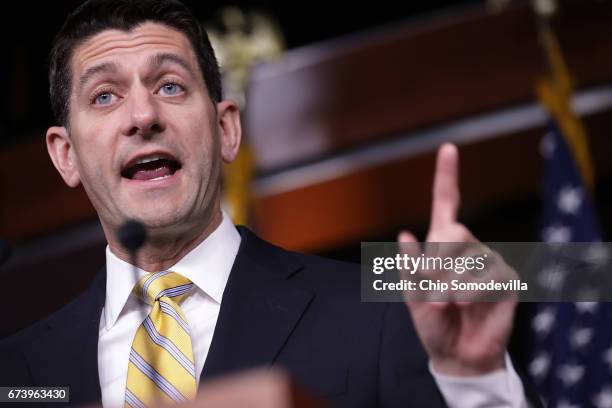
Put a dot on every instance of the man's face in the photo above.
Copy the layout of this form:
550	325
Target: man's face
144	137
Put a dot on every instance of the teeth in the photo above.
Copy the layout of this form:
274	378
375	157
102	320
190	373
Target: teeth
148	159
162	177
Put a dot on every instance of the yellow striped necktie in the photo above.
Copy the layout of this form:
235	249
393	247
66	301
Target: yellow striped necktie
161	367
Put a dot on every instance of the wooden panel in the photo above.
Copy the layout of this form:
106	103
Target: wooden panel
35	198
374	200
324	98
383	198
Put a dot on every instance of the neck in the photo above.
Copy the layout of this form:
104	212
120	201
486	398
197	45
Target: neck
162	251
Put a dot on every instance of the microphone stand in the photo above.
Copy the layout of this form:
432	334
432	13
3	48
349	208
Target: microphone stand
132	235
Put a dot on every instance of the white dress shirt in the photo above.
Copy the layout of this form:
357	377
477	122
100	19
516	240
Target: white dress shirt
208	266
501	388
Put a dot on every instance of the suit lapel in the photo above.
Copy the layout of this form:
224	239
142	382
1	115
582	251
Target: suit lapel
259	310
68	354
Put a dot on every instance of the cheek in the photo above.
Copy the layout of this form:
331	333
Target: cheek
92	170
94	158
204	140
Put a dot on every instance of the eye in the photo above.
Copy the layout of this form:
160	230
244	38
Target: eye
171	89
103	98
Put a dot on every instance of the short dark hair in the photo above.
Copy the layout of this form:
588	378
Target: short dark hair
95	16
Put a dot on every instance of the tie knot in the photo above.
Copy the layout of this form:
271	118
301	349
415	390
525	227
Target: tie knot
154	286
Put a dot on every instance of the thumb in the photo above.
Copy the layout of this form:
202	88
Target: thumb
406	236
408	244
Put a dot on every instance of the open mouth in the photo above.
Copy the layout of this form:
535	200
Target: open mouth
153	167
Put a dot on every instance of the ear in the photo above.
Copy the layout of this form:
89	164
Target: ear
230	129
61	151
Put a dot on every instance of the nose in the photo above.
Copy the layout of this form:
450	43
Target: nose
143	116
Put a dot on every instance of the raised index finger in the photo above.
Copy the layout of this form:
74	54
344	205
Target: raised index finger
446	187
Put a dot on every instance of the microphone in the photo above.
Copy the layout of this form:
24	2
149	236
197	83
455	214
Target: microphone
5	251
132	235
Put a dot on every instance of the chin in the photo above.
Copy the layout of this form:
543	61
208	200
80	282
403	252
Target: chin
155	218
168	216
160	223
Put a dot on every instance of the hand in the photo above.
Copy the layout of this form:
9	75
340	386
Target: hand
461	338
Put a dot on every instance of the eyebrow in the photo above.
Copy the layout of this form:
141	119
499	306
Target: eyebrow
95	70
157	60
154	62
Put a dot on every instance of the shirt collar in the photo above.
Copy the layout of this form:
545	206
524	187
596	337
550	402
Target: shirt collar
208	266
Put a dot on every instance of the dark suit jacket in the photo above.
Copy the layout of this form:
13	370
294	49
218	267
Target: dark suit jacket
298	311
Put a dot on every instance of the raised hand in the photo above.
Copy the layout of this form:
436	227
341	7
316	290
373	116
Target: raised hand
462	338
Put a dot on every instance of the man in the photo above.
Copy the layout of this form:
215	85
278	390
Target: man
143	127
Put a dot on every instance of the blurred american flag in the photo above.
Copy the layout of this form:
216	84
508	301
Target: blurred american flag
571	361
